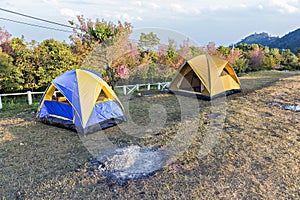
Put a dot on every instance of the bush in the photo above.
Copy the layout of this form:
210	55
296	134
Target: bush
240	65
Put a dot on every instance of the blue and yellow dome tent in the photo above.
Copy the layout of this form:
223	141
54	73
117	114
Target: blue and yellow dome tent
80	99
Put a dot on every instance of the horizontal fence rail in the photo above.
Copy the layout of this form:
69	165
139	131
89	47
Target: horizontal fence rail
127	90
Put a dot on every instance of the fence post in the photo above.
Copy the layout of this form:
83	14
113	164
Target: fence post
0	102
29	97
137	87
124	89
158	86
148	86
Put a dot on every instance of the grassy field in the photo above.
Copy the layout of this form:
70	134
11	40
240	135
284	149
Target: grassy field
256	154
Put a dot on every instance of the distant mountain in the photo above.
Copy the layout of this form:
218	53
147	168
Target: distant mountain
289	41
258	38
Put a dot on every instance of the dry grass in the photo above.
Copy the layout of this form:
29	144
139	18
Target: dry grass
256	156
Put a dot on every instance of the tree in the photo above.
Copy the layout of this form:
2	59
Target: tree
240	65
233	55
148	41
256	59
224	51
4	36
171	51
4	41
184	50
123	72
102	43
22	60
6	69
211	48
289	60
271	58
51	59
196	50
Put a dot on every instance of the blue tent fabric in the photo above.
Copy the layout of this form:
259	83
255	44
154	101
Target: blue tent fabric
104	111
69	113
56	108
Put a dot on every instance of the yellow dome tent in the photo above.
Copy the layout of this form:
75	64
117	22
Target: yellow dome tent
205	76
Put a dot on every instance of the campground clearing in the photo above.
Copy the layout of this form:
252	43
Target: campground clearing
256	155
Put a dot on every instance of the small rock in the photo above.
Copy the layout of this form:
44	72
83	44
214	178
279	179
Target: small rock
282	94
275	134
212	115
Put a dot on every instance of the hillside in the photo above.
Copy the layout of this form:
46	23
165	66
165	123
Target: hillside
258	38
289	41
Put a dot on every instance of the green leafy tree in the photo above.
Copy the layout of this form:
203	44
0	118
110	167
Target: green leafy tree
51	58
23	61
171	51
271	58
146	45
289	60
148	41
8	74
224	51
240	65
196	50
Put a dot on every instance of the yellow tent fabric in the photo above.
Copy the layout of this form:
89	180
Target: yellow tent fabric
89	88
205	76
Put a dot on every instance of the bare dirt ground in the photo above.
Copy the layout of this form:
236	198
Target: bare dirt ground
256	154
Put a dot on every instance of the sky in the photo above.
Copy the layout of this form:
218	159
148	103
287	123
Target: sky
202	21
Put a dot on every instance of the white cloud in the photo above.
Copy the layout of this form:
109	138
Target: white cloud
243	5
127	17
139	18
180	8
52	2
154	5
286	6
138	3
69	12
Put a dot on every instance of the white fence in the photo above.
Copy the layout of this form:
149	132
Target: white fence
127	90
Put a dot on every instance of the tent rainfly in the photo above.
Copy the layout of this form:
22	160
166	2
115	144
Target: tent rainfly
205	77
80	100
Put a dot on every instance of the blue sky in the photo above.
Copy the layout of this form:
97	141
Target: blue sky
221	21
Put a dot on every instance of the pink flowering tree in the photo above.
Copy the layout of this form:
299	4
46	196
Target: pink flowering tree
123	72
256	59
236	59
4	36
234	55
